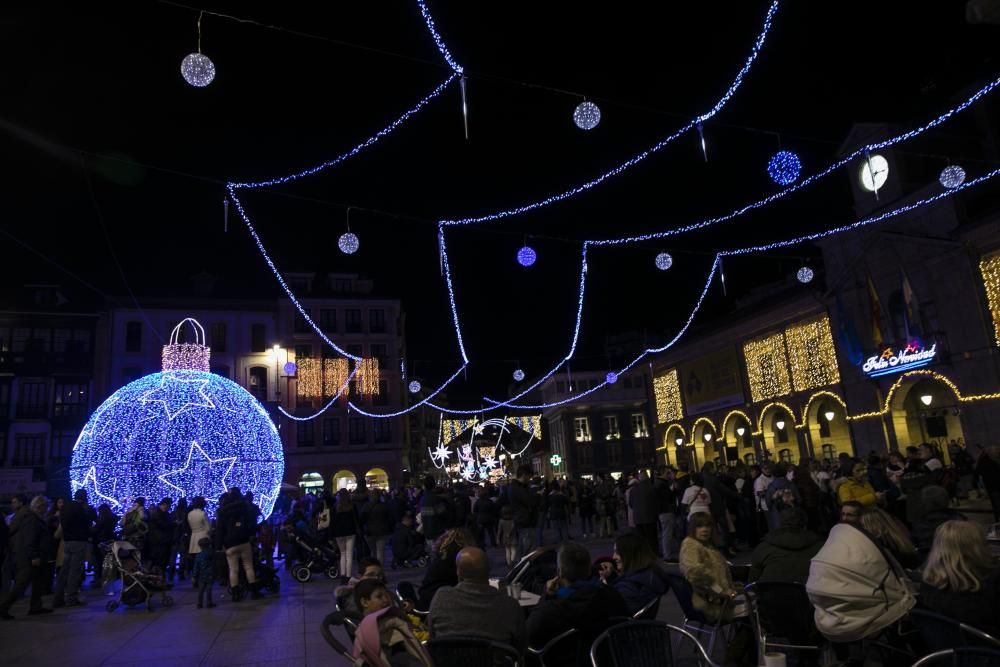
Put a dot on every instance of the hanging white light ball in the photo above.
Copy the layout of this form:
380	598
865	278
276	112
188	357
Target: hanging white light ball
664	261
518	375
197	69
414	386
805	275
952	176
348	243
587	115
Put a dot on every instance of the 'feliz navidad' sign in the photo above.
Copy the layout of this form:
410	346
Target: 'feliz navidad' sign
912	356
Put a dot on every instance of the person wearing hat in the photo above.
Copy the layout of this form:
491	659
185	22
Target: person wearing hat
785	552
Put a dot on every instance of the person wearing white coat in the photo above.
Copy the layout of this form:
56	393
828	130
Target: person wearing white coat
198	521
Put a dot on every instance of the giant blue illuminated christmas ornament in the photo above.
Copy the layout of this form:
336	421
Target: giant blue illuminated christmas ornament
183	432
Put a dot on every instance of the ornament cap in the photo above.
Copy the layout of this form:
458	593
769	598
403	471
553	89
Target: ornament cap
179	356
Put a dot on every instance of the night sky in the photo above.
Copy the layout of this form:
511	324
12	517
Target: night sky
110	158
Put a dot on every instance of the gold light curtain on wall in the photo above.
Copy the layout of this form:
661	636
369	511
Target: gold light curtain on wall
990	268
811	354
667	391
767	367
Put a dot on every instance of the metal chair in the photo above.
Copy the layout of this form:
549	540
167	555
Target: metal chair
961	657
641	644
569	642
782	611
330	621
649	611
472	652
941	632
685	596
350	625
405	590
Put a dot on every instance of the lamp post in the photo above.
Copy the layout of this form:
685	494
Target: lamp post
277	372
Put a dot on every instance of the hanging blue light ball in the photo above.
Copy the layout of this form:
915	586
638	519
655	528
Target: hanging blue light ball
291	368
518	375
178	433
784	167
526	256
587	115
611	377
952	176
664	261
414	386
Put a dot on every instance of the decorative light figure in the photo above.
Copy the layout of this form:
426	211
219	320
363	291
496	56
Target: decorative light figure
926	399
414	386
829	415
664	261
587	115
518	375
197	68
348	243
526	256
182	432
611	377
952	176
784	167
805	275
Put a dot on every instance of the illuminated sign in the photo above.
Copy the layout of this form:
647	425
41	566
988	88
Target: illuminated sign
897	361
555	460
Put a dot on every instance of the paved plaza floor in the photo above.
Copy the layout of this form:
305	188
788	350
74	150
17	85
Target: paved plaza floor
274	631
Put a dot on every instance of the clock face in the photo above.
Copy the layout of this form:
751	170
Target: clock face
873	173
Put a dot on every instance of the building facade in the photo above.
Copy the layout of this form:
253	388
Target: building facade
608	432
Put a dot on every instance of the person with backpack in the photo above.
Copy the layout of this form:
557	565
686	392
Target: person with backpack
237	527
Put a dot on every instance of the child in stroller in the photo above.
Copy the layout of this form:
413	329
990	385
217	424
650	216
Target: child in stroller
138	586
312	555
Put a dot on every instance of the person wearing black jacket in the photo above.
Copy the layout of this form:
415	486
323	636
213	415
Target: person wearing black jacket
376	517
524	505
236	525
76	519
486	517
160	538
666	503
32	547
988	471
573	600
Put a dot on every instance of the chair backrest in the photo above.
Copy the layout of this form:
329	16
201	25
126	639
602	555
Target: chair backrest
326	626
783	612
941	632
649	611
472	652
407	591
685	597
968	656
569	648
640	644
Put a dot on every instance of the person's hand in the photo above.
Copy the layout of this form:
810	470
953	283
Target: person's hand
552	585
36	562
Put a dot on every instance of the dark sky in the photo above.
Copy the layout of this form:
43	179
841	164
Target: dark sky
99	132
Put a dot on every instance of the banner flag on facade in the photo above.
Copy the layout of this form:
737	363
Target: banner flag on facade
848	335
911	310
875	306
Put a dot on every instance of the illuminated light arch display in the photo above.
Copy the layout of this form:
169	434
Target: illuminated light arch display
178	433
772	406
479	463
729	416
669	438
821	394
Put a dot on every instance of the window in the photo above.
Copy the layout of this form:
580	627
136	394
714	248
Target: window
331	432
379	351
70	400
217	337
32	400
586	455
643	452
80	342
29	449
328	320
382	398
829	453
581	428
301	326
381	429
376	321
133	337
62	444
356	431
258	338
639	426
611	431
356	349
785	456
750	459
304	434
20	339
341	285
303	352
4	399
4	339
352	320
614	450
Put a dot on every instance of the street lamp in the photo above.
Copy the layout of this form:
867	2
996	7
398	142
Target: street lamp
926	399
780	424
708	437
678	441
740	431
829	415
277	377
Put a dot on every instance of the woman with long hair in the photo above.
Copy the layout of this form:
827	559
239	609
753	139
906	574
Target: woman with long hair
638	579
706	569
441	571
891	535
961	579
344	524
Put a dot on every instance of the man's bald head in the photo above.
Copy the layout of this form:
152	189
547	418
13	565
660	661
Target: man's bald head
473	565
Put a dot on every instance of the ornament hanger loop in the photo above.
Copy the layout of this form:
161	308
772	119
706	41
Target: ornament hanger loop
199	332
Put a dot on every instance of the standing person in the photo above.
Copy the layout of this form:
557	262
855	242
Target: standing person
760	485
160	537
345	527
31	547
485	511
696	498
197	522
523	504
858	487
988	472
236	525
810	493
585	501
76	519
19	510
645	508
559	512
134	526
204	571
507	534
781	494
182	536
377	518
720	494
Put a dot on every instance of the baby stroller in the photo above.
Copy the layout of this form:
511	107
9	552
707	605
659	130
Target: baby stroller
267	577
322	557
138	586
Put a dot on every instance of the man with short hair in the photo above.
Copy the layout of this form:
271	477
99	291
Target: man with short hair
666	501
574	600
76	519
473	608
850	512
524	504
31	547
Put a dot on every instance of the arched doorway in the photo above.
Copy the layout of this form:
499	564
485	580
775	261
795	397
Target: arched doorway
673	442
925	409
376	478
344	479
703	440
777	425
829	431
311	482
257	381
738	433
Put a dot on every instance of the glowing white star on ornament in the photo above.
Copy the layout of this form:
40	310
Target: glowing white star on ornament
202	485
183	395
441	453
91	479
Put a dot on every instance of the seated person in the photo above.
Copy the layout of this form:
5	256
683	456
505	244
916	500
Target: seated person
385	636
638	580
936	511
441	571
961	579
406	543
370	568
784	553
858	488
574	599
705	568
473	608
891	536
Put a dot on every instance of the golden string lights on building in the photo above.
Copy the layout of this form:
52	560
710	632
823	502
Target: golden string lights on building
367	377
811	354
531	424
335	372
667	391
309	378
990	268
767	367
